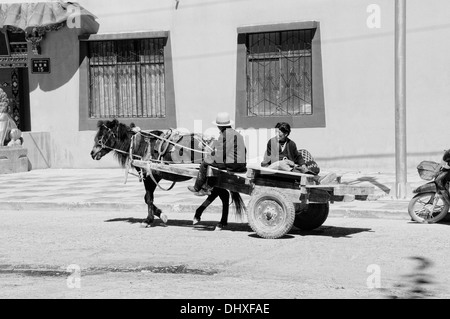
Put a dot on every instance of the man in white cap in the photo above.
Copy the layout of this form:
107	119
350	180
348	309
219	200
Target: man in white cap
229	153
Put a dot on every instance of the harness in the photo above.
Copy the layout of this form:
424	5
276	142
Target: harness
170	138
103	144
164	143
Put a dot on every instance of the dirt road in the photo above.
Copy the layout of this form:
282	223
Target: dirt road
109	255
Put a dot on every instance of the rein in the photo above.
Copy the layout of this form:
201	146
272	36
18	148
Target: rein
103	144
130	153
149	173
176	144
132	156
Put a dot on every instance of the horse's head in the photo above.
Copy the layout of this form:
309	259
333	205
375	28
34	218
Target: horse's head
110	136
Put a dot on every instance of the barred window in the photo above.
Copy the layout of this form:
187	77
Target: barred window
127	78
279	73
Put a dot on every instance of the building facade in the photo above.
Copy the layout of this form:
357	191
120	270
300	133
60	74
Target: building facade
326	67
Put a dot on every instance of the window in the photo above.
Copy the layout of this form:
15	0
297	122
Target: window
127	79
4	44
13	48
279	76
13	43
279	73
128	76
17	42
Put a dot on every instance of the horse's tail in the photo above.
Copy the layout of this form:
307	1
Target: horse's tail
238	203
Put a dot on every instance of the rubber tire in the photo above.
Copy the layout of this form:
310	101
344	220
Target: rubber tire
261	226
313	217
419	219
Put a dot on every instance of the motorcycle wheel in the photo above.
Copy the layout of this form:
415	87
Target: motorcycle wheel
418	209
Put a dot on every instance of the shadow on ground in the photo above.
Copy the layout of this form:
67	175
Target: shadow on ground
130	220
326	231
330	231
445	221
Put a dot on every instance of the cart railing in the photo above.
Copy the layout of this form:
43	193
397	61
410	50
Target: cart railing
278	199
258	176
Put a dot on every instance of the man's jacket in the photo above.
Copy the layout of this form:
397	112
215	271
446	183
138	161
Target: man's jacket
230	152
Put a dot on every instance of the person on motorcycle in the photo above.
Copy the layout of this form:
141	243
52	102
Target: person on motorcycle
444	177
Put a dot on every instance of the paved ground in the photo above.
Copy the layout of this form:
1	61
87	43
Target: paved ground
118	258
45	254
106	189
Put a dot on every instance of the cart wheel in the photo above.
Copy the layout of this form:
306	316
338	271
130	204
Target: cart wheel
270	213
312	217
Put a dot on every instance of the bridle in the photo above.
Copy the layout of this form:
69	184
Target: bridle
102	143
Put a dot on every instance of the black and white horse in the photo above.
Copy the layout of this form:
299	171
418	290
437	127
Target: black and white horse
120	138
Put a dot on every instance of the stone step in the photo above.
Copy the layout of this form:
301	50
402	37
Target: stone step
13	160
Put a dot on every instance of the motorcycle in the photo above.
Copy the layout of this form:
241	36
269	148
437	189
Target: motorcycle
428	206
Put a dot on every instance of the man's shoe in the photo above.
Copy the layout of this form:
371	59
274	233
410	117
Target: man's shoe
197	193
192	189
201	193
207	190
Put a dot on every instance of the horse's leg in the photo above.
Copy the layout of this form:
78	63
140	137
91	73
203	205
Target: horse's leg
160	214
211	198
225	197
150	187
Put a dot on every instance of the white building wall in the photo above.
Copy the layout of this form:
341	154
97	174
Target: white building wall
358	66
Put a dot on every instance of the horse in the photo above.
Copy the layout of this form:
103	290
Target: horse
127	143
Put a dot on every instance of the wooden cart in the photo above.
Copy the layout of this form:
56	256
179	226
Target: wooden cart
278	199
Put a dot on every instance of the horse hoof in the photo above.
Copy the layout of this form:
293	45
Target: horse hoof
164	218
220	226
196	221
147	224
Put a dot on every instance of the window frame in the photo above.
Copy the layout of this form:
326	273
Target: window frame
86	123
8	46
317	118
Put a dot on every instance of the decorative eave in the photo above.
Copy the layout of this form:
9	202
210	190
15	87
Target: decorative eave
13	62
37	19
35	35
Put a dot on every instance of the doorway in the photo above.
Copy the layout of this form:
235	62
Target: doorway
14	81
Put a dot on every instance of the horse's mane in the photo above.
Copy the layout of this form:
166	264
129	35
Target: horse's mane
123	140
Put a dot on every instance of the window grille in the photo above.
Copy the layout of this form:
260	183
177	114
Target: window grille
127	78
279	73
